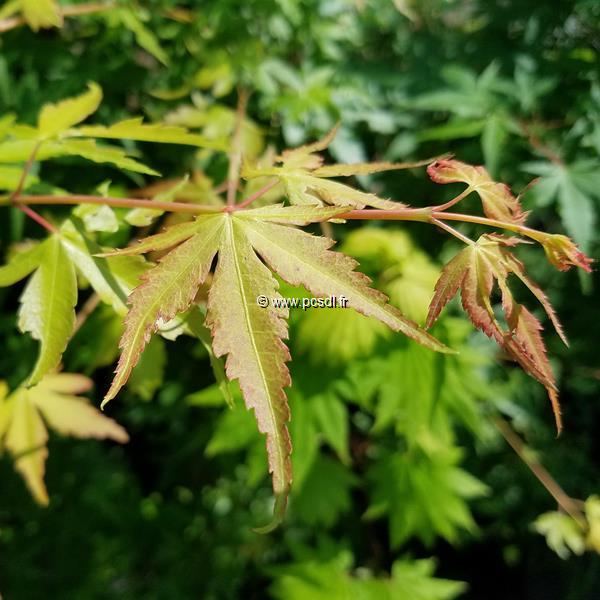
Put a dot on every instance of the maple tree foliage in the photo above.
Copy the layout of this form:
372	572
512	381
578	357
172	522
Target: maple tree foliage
249	247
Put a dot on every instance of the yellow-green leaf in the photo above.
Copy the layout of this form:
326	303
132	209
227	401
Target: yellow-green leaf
55	118
40	14
47	306
26	440
20	266
135	129
71	415
23	433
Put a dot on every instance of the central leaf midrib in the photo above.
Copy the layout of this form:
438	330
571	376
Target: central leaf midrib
254	347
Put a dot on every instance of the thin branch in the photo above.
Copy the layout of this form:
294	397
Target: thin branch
538	145
86	310
454	232
566	503
235	160
26	168
250	199
15	195
181	207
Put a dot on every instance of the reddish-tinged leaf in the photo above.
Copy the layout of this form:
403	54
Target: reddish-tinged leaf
563	253
161	241
526	345
366	168
516	267
167	289
447	285
475	270
497	199
251	337
301	258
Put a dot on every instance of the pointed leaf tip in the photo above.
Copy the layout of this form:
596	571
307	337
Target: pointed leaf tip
278	514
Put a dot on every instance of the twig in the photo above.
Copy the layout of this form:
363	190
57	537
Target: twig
235	160
15	195
86	310
566	503
119	202
538	145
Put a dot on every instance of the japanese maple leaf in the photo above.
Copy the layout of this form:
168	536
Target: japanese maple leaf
251	337
497	199
306	180
55	402
475	271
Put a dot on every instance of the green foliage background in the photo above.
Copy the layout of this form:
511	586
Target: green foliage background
403	488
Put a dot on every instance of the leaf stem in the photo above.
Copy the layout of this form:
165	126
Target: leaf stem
38	218
250	199
235	159
514	227
566	503
454	232
455	200
422	215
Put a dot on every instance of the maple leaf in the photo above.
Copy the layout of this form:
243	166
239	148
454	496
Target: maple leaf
59	133
56	401
251	337
305	178
475	270
497	199
48	302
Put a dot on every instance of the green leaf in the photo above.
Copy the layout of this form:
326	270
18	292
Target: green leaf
89	150
47	306
142	217
143	36
40	14
325	495
11	176
21	265
424	495
332	580
135	129
112	278
331	415
563	534
147	376
166	290
198	328
55	118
